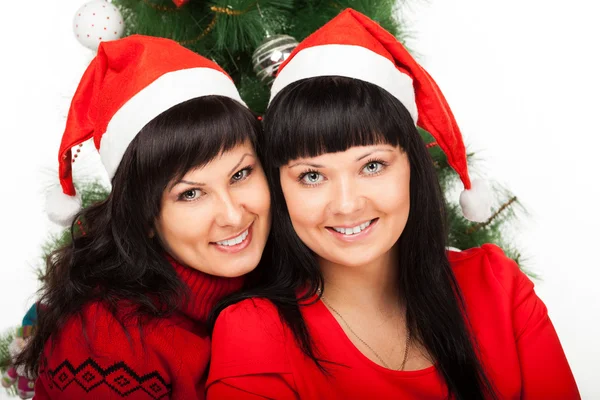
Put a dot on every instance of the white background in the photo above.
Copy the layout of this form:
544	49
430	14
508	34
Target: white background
520	75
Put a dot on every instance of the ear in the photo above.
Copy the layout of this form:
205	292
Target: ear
151	234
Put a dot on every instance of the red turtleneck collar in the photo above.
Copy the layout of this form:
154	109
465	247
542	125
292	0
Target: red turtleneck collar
205	290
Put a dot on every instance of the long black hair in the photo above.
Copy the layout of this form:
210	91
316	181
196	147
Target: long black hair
332	114
116	259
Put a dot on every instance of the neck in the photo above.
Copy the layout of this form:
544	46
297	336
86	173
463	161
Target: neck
204	290
368	287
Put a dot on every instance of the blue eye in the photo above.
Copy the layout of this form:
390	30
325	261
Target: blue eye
311	178
373	167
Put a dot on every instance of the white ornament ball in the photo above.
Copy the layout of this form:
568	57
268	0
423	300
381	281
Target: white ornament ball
97	21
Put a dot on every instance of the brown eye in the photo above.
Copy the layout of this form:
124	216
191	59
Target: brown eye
189	195
241	175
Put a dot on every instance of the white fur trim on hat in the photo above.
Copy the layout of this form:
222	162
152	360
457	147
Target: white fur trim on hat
350	61
165	92
61	208
476	203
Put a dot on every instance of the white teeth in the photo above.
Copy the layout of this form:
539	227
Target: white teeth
235	240
352	231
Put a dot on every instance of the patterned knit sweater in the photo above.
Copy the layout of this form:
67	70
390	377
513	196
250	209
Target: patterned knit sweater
164	359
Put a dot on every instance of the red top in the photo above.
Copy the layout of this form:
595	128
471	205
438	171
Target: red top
164	359
256	357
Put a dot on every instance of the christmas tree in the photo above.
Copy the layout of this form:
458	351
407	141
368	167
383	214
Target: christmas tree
91	192
250	39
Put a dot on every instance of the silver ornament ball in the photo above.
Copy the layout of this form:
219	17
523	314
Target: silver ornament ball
270	54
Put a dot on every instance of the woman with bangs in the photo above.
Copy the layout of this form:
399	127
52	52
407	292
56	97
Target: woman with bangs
124	307
363	300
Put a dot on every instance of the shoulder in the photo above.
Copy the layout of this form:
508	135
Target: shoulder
487	263
248	338
487	277
253	319
97	323
98	330
250	308
95	330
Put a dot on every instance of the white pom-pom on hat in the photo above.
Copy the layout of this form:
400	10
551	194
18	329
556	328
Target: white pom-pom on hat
60	207
476	203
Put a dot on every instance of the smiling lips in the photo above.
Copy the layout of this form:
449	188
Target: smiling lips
354	230
351	234
236	240
235	244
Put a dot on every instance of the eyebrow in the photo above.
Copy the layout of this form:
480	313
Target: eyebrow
322	166
309	164
190	183
371	152
239	162
203	184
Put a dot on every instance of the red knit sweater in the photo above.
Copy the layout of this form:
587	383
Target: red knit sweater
164	359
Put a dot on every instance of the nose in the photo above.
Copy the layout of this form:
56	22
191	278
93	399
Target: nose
346	197
229	211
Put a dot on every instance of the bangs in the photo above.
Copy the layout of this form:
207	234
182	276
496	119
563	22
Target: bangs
332	114
192	134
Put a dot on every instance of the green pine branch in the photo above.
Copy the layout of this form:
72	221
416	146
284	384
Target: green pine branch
5	358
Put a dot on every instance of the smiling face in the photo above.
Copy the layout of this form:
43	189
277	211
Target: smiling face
216	219
349	207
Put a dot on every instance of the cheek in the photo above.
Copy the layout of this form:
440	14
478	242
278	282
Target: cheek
256	196
305	206
395	198
182	224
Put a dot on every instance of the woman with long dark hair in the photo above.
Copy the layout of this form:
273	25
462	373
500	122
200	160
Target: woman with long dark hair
363	299
123	307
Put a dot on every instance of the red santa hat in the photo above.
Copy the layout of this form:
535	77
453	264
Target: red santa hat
354	46
127	84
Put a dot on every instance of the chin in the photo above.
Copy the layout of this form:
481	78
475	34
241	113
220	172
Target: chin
234	272
350	260
238	268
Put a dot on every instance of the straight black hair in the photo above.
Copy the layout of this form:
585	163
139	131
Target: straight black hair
332	114
116	259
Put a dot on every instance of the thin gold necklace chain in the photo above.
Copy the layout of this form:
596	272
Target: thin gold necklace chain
365	343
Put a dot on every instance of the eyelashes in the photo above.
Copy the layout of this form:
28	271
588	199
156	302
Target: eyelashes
375	161
307	174
183	196
242	174
194	194
312	177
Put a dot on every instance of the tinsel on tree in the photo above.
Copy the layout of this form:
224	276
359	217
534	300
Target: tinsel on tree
249	39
